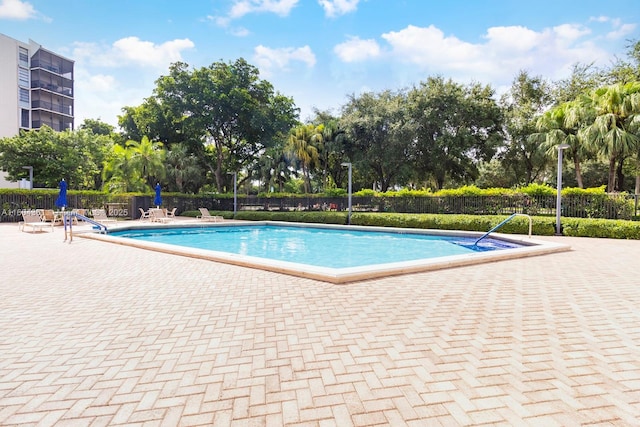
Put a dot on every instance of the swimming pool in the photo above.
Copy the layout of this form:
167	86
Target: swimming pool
321	247
332	253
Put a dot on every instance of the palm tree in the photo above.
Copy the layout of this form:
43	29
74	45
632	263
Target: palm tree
616	109
148	158
330	139
301	146
183	169
273	169
561	125
118	174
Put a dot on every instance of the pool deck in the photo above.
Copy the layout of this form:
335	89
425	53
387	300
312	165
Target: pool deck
97	334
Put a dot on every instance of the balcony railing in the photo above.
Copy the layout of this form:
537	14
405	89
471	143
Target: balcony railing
38	84
58	127
52	68
46	66
63	109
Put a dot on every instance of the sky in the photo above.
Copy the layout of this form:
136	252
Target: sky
319	52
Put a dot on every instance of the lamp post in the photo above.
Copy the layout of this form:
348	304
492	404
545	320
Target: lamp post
349	190
235	193
30	176
561	148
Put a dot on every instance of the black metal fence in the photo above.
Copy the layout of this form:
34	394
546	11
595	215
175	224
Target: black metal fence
614	206
608	206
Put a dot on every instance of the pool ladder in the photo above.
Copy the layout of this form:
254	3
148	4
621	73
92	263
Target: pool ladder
503	223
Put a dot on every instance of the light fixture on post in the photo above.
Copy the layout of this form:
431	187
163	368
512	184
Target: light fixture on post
349	190
30	176
235	193
561	148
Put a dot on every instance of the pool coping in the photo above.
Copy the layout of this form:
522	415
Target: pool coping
339	275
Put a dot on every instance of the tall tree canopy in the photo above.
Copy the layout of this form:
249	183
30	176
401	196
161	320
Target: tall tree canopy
528	98
456	127
76	156
378	130
225	104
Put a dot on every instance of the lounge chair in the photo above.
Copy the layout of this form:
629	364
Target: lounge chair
171	213
144	215
206	216
34	220
100	215
50	216
158	215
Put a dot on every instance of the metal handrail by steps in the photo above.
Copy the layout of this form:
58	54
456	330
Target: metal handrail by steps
503	223
67	219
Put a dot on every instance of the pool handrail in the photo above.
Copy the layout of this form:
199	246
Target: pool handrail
513	215
67	219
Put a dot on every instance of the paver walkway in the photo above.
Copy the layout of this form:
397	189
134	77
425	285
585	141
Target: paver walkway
101	334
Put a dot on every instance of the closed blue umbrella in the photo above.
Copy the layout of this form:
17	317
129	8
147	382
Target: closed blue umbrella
158	200
61	201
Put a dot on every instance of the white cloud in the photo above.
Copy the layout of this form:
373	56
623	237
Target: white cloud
101	95
97	96
241	8
220	21
621	31
428	46
147	53
99	83
571	32
269	59
333	8
519	39
356	49
244	7
16	9
240	32
132	51
504	51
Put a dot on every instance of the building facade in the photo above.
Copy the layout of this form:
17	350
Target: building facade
36	89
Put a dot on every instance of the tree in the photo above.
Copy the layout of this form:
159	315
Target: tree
493	174
302	145
528	98
134	167
273	168
97	127
226	105
379	134
614	131
332	148
119	174
583	78
626	71
456	127
561	125
183	169
154	120
148	159
74	155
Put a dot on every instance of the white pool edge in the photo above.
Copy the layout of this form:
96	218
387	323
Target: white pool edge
341	275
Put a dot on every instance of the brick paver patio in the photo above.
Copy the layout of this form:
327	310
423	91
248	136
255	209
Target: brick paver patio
101	334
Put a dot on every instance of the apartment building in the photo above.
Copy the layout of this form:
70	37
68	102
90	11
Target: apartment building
36	89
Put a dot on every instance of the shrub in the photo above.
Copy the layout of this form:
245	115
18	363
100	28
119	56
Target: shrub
538	190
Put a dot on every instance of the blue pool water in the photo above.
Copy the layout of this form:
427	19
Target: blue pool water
323	247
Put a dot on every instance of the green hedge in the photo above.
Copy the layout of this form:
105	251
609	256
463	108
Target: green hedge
542	226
